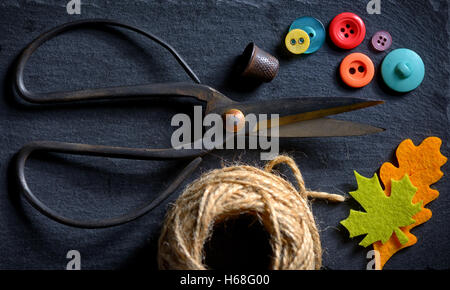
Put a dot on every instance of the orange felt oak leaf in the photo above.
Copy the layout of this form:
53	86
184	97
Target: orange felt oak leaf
423	166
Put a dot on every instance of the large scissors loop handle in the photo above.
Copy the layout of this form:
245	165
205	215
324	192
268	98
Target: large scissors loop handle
103	93
105	151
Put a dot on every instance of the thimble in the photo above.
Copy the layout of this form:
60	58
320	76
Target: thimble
258	64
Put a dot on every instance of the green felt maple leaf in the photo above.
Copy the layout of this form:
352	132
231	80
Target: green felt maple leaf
384	214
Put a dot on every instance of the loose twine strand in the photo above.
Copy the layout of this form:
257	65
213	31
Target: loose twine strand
231	191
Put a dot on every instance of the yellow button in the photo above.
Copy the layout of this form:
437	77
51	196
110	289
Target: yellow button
297	41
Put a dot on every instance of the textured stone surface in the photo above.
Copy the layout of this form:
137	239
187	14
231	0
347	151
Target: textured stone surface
209	35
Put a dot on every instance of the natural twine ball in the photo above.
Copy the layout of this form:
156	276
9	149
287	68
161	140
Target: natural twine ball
283	211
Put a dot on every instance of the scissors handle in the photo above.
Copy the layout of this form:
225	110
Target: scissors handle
200	92
183	89
105	151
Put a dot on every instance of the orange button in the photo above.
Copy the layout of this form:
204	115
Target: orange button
357	70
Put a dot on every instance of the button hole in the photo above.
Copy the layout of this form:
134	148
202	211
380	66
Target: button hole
342	29
379	41
352	71
348	25
346	35
361	69
311	35
293	41
351	31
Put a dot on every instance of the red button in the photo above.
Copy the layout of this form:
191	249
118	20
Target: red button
347	30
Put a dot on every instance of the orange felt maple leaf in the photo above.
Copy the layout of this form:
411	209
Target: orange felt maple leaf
423	166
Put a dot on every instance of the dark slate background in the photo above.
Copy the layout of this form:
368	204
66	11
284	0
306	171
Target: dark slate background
210	35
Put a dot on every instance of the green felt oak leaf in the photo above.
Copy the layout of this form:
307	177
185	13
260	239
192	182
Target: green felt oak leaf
384	214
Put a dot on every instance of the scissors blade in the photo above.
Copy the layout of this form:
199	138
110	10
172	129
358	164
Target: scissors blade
322	127
304	108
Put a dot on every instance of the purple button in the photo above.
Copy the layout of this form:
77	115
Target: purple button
381	41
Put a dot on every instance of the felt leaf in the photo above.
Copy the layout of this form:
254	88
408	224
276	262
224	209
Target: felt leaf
423	166
384	214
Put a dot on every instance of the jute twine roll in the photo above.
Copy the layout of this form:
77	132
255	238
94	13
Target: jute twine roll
281	208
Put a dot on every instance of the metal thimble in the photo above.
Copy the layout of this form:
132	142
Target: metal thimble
258	64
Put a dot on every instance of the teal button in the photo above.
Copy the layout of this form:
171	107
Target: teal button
315	30
403	70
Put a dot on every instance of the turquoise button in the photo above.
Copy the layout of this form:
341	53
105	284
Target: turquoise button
403	70
315	30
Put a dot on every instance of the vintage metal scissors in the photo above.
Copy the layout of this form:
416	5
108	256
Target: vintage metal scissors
299	117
